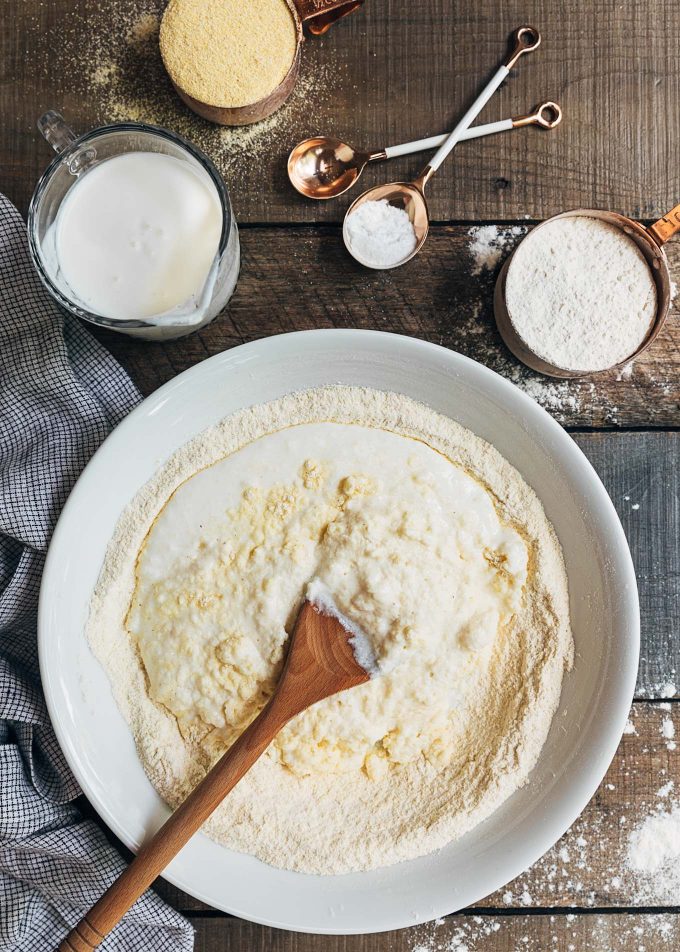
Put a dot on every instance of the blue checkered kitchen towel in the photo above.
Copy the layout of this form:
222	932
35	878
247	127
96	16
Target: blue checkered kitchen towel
60	395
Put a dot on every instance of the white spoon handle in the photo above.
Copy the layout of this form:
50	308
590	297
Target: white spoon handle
454	137
526	39
422	145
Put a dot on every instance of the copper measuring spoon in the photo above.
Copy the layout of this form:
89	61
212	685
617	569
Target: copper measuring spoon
323	167
321	661
650	241
410	196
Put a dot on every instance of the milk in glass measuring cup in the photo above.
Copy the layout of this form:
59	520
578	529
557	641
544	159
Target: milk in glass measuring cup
131	228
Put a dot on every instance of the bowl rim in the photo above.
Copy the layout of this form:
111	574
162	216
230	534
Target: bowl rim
582	786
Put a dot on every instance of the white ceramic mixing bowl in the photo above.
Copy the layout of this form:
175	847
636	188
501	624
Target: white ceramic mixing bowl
596	695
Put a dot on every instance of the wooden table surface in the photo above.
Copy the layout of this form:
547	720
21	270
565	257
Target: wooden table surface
397	70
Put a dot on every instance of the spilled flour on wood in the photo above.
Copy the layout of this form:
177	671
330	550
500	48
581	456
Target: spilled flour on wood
474	933
666	688
490	243
116	63
668	733
653	856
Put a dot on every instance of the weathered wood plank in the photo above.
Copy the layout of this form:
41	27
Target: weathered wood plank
395	71
641	472
541	933
301	278
588	868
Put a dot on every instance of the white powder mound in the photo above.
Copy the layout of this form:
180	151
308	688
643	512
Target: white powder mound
380	235
654	856
313	823
580	294
489	244
667	728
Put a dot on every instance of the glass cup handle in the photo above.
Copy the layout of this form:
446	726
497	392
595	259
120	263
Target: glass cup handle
61	137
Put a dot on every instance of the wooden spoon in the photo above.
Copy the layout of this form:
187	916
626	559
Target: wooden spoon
320	662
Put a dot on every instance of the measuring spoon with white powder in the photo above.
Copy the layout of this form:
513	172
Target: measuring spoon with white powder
328	653
585	291
387	225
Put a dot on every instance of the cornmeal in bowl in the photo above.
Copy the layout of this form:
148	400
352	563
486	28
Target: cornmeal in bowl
427	539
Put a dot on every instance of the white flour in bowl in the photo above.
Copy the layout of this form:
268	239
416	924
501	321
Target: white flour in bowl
580	294
192	637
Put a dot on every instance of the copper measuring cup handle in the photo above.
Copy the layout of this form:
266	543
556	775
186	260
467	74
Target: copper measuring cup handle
665	227
319	15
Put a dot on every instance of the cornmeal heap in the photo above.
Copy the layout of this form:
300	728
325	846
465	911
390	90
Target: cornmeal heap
228	53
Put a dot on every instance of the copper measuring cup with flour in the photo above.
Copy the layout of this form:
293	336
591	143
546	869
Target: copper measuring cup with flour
317	16
650	242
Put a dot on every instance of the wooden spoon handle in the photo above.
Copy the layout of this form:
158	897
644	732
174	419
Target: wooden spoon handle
320	662
155	855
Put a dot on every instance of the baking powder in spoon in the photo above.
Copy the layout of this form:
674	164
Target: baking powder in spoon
380	235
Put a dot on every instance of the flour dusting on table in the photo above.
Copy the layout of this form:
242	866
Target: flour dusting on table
490	243
575	933
653	856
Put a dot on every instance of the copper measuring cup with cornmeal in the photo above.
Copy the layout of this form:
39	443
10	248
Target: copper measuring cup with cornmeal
202	42
409	197
649	242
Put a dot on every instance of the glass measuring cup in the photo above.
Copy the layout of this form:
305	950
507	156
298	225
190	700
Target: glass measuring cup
650	242
76	155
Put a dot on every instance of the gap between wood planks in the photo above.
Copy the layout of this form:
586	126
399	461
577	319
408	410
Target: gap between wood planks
297	278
